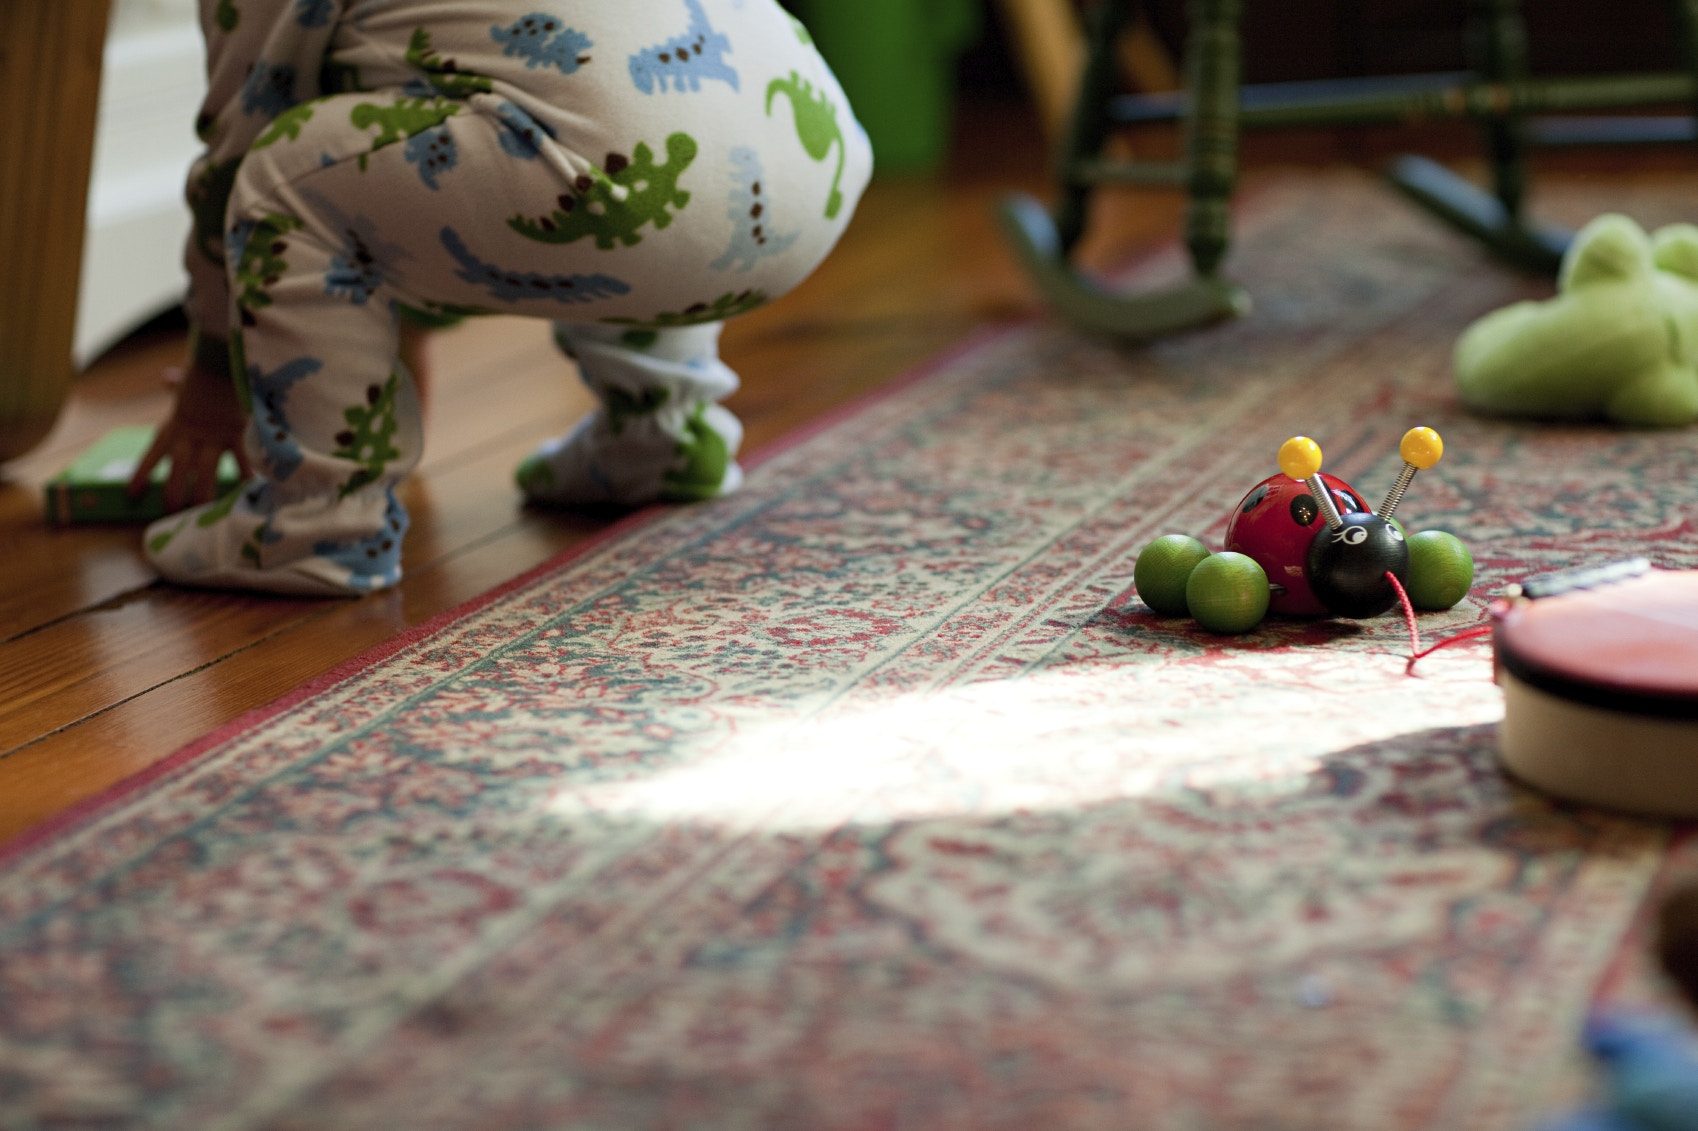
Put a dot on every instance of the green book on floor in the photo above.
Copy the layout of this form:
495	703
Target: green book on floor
92	489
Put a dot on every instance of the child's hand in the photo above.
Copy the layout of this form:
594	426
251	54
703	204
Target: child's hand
206	421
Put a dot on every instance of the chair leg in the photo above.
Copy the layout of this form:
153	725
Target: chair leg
1686	32
1042	240
1503	48
1088	129
43	204
1497	219
1211	128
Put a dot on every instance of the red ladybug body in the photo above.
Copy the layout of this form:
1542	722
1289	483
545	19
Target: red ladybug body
1274	524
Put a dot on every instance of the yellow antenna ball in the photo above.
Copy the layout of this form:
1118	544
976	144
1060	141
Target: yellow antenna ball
1300	457
1421	447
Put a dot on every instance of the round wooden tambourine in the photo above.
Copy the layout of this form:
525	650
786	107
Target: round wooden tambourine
1601	693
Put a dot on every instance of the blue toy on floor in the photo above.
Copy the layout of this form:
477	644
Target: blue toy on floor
1649	1062
1650	1067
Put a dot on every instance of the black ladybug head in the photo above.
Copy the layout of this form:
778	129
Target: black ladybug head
1347	567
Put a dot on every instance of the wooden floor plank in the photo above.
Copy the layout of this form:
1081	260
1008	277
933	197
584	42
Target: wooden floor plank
79	666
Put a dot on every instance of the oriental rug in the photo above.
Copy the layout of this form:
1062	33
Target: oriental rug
872	798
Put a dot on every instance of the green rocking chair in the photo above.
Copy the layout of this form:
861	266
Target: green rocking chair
1214	107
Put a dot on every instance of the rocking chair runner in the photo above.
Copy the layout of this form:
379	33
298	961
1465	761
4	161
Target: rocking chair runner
1214	107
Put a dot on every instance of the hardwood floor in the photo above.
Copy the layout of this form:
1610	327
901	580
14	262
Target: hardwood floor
104	671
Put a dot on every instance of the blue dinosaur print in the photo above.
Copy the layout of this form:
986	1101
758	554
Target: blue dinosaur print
375	560
312	13
269	90
260	498
689	58
751	239
522	136
529	39
433	151
356	275
236	239
353	278
271	425
513	285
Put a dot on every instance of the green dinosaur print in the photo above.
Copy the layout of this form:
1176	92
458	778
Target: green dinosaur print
209	194
802	32
639	339
727	305
650	190
218	510
227	15
623	406
286	125
163	539
402	118
816	128
262	262
368	439
445	74
706	458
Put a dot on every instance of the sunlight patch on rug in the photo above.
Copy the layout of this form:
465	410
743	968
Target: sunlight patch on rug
1063	738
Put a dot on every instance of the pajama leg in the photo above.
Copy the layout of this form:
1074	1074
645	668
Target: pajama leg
334	425
334	415
659	432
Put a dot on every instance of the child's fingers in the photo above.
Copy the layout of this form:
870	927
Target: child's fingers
176	483
193	477
205	486
144	467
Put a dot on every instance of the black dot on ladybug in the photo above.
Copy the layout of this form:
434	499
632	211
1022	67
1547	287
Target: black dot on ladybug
1304	509
1254	499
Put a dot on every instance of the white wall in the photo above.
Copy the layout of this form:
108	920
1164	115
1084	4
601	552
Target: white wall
151	88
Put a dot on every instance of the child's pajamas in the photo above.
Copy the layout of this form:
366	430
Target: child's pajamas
635	170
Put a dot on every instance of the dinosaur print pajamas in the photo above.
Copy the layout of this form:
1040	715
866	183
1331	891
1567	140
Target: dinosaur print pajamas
634	170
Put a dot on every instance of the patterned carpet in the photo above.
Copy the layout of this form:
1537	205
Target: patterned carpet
871	799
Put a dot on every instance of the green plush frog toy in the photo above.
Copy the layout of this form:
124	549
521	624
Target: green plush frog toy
1619	340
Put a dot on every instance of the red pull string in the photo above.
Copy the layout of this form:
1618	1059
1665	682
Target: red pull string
1416	652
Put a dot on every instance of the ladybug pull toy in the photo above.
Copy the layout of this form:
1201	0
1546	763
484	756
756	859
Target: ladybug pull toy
1311	547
